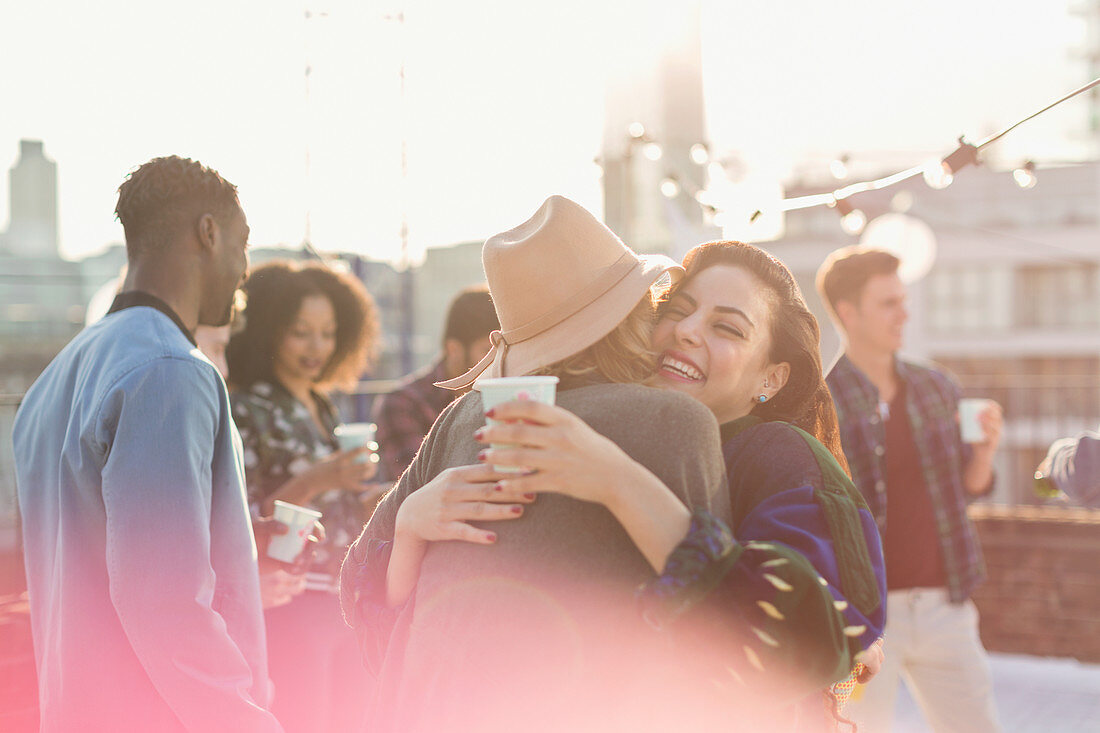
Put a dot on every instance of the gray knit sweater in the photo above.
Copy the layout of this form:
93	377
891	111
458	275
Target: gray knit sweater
539	631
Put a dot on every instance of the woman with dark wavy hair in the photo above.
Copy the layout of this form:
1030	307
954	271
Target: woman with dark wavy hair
798	572
306	330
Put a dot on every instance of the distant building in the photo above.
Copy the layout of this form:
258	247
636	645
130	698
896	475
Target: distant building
1011	305
446	271
653	117
32	227
41	295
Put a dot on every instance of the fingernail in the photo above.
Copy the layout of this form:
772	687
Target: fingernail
498	487
491	537
481	455
490	412
478	433
529	497
517	510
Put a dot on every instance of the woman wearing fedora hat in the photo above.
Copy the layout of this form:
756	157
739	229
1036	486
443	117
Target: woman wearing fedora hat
799	570
480	607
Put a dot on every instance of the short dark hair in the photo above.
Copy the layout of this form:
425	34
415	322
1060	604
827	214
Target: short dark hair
471	316
159	199
846	271
274	293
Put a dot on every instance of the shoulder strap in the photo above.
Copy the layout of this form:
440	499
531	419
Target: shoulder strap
841	501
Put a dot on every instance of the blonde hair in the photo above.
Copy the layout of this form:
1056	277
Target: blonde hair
624	355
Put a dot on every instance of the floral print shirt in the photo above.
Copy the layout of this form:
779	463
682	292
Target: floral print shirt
281	441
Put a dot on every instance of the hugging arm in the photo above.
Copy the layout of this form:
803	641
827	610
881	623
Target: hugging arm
380	572
801	570
779	574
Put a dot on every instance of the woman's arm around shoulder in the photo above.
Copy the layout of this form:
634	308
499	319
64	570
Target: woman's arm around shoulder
784	569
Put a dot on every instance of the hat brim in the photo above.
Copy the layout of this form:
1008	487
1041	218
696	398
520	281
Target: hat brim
588	325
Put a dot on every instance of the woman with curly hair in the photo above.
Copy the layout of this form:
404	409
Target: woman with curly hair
307	329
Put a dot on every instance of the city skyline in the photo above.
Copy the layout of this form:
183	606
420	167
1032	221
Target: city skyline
505	105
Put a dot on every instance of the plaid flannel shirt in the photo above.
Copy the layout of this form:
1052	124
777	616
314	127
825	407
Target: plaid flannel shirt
932	400
404	417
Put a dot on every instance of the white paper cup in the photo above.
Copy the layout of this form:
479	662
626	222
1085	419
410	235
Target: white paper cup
355	435
299	521
508	389
969	425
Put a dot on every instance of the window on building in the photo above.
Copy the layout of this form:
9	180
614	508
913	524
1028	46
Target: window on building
1058	296
960	300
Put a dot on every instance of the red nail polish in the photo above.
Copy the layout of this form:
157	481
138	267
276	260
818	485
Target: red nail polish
498	487
491	537
478	433
481	455
529	497
490	412
517	510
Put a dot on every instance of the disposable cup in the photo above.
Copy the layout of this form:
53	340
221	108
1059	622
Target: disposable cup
507	389
299	521
969	425
355	435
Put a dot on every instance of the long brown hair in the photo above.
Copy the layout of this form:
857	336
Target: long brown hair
804	401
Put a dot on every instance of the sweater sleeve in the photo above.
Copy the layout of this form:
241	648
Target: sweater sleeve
777	577
1075	468
363	573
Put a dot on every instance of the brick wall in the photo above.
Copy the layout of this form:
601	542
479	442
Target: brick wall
1043	592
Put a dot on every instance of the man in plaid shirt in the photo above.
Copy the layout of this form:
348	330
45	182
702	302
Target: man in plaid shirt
405	415
901	436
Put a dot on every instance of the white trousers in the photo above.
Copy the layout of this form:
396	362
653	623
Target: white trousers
934	645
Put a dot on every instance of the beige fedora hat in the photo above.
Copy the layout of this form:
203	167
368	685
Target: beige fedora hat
560	282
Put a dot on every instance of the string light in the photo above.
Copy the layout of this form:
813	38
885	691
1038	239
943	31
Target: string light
670	187
1025	175
936	173
636	130
839	167
652	150
699	154
852	220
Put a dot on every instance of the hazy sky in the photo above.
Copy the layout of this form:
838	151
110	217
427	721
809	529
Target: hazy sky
504	99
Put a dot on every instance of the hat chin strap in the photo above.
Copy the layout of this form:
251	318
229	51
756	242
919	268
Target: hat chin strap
496	338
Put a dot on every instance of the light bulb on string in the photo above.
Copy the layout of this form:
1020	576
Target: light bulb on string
940	174
1025	175
652	151
670	187
937	175
636	130
699	154
839	167
852	220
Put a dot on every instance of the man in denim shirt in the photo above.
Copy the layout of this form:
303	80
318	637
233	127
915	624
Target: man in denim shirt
900	434
140	558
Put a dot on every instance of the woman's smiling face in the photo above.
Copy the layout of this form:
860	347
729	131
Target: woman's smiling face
714	338
308	343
